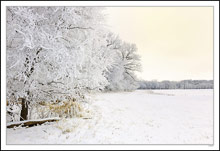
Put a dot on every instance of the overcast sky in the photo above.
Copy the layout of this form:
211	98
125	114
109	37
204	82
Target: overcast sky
175	43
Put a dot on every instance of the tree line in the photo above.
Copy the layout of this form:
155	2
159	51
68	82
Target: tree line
184	84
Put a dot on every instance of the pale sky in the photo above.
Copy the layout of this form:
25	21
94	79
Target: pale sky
174	43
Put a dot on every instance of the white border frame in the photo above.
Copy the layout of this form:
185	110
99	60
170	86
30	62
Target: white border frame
110	3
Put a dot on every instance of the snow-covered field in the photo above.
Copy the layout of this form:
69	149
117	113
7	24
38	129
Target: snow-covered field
140	117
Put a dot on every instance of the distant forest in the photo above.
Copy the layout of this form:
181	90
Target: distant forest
184	84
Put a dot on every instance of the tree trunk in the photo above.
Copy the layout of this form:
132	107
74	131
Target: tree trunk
24	110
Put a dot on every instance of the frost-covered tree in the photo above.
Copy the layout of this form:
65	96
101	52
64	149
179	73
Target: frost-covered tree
122	75
55	52
60	53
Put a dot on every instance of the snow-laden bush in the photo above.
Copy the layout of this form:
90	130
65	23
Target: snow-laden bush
13	112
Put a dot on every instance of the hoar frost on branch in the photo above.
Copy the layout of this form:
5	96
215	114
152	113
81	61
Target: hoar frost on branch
122	75
59	53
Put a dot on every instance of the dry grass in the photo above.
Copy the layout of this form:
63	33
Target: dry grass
69	108
43	109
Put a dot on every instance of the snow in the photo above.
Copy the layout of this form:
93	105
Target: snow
139	117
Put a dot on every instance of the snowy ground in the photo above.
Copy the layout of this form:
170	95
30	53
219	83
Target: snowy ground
140	117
